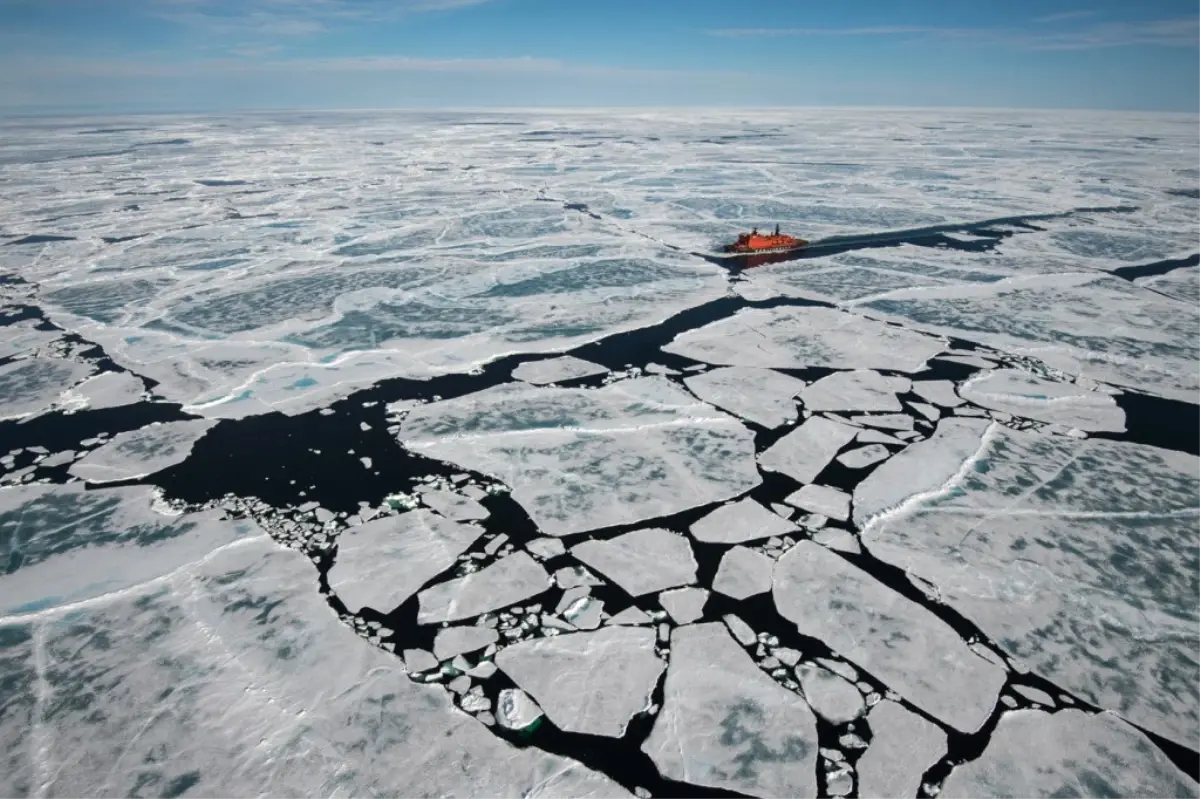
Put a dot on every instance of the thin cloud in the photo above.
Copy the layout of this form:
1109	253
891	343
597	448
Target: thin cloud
1063	16
291	18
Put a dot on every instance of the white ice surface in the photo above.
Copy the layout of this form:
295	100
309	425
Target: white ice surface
451	641
726	724
857	390
743	573
1079	557
581	459
796	338
831	697
33	384
862	457
1032	397
588	682
454	506
825	500
382	563
684	605
556	370
641	561
939	392
110	390
901	643
137	453
509	580
903	747
738	522
762	396
1069	753
1180	284
803	453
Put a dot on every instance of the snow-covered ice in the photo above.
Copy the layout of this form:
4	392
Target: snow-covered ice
862	457
451	641
588	682
580	459
454	506
825	500
137	453
907	647
684	605
938	392
903	747
831	697
109	390
805	452
641	561
1032	397
382	563
726	724
556	370
509	580
762	396
738	522
742	573
32	385
857	390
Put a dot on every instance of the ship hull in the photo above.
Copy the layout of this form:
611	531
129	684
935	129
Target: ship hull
742	253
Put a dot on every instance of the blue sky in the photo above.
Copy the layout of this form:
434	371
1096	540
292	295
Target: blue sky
201	55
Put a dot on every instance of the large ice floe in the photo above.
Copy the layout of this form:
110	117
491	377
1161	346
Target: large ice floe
34	384
762	396
1032	397
137	453
1078	556
581	459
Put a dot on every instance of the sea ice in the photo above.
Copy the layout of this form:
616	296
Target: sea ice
1071	553
743	573
762	396
907	647
556	370
587	682
837	538
581	459
832	698
451	641
805	452
382	563
938	392
684	605
825	500
903	747
1069	753
110	390
725	724
137	453
738	522
31	385
862	457
858	390
454	506
516	710
507	581
798	338
642	561
888	421
631	615
1032	397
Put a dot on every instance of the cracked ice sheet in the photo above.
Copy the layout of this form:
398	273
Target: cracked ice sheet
1180	284
591	683
507	581
1069	753
797	338
109	390
903	747
726	724
582	459
1031	397
1080	558
137	453
233	678
859	390
805	452
556	370
900	642
33	384
762	396
382	563
1100	327
641	561
73	545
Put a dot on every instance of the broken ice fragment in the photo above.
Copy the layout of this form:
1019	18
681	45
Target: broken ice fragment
743	573
903	747
939	392
31	385
451	641
1032	397
506	582
574	576
587	682
762	396
642	561
382	563
825	500
137	453
110	390
556	370
803	453
862	457
631	615
546	548
741	631
831	697
1034	695
684	604
836	538
928	411
738	522
516	711
454	506
887	421
900	642
726	724
858	390
782	510
585	613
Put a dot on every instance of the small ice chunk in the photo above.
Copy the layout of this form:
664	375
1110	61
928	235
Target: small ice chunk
366	462
1032	397
741	631
762	396
382	563
1034	695
507	581
782	510
769	744
684	604
840	782
738	522
546	547
587	682
825	500
574	576
110	390
969	360
832	698
1068	753
642	561
836	538
515	710
556	370
805	452
888	421
631	615
57	459
743	573
417	660
862	457
454	506
451	641
787	656
877	437
938	392
569	597
584	613
858	390
928	411
840	668
903	747
137	453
